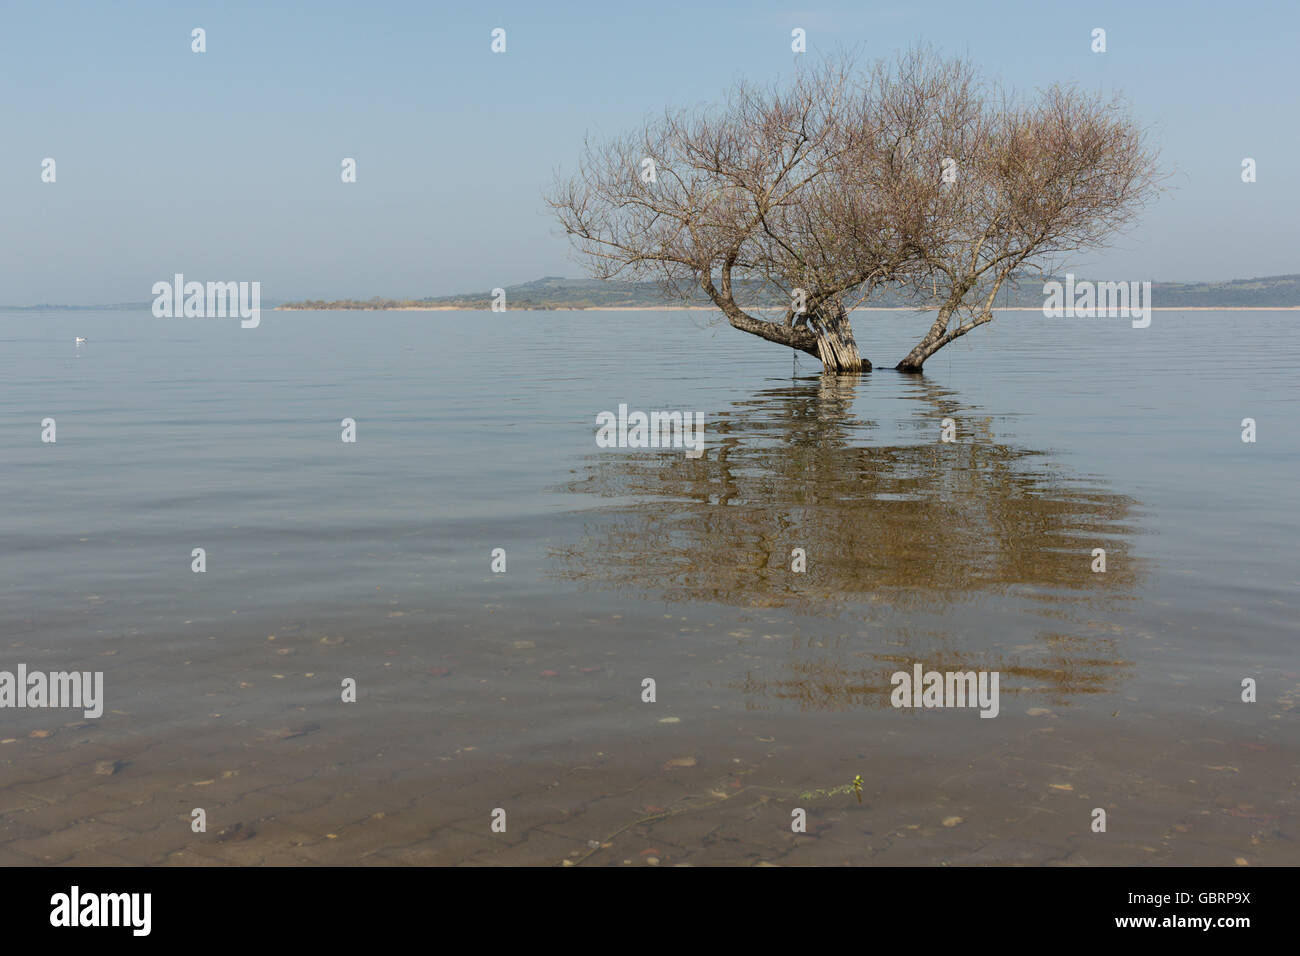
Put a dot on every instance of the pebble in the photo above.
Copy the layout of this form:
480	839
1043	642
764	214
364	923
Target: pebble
237	832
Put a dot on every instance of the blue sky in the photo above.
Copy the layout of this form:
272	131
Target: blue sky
225	165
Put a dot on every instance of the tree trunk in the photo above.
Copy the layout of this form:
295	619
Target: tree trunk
829	336
940	335
836	346
932	342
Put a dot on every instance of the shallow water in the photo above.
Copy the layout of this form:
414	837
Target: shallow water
522	690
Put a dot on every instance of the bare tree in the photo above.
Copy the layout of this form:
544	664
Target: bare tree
826	190
1026	182
767	187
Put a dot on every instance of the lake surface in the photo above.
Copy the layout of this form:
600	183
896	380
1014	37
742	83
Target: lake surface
522	690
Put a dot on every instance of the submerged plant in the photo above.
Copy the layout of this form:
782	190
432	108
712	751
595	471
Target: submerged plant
855	788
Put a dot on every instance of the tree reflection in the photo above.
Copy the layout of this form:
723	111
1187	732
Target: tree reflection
899	528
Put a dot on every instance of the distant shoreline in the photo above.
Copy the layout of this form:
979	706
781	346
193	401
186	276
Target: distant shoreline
556	294
703	308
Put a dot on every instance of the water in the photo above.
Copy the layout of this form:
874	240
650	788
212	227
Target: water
371	561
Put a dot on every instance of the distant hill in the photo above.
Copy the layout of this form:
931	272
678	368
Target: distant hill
1266	292
550	292
553	292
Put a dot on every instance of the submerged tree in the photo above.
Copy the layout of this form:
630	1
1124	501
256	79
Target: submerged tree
916	175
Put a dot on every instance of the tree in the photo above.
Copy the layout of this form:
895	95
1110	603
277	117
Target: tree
917	176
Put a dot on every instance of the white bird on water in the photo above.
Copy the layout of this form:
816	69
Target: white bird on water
80	339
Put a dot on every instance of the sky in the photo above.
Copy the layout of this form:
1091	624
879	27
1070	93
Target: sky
225	165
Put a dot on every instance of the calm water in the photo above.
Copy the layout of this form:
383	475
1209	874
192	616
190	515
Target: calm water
328	560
